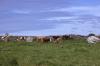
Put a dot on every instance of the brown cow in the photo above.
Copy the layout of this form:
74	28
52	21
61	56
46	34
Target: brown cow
65	37
42	39
57	39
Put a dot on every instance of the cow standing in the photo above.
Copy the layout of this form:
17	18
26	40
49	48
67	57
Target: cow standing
5	38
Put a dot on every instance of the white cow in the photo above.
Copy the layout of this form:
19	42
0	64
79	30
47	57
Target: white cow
92	39
29	39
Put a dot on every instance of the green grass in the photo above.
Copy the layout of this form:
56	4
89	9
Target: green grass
68	53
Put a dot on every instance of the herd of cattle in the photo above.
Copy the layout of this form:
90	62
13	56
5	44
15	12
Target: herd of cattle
55	39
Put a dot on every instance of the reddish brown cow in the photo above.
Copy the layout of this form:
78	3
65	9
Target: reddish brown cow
42	39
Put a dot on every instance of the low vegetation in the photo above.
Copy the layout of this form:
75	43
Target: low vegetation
68	53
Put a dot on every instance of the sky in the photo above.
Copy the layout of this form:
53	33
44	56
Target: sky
49	17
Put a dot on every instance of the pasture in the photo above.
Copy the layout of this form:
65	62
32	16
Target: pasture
68	53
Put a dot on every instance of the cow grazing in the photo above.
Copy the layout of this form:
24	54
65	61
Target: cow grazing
92	39
58	40
21	38
29	39
42	39
65	37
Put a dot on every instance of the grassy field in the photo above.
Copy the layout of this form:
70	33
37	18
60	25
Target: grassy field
69	53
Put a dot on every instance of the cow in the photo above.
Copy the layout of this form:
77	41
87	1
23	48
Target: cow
57	39
5	37
42	39
21	38
65	37
29	39
92	39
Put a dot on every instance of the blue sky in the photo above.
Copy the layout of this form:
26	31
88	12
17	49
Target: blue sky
49	17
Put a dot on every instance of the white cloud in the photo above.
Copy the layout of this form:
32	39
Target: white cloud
92	10
21	11
60	18
77	11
